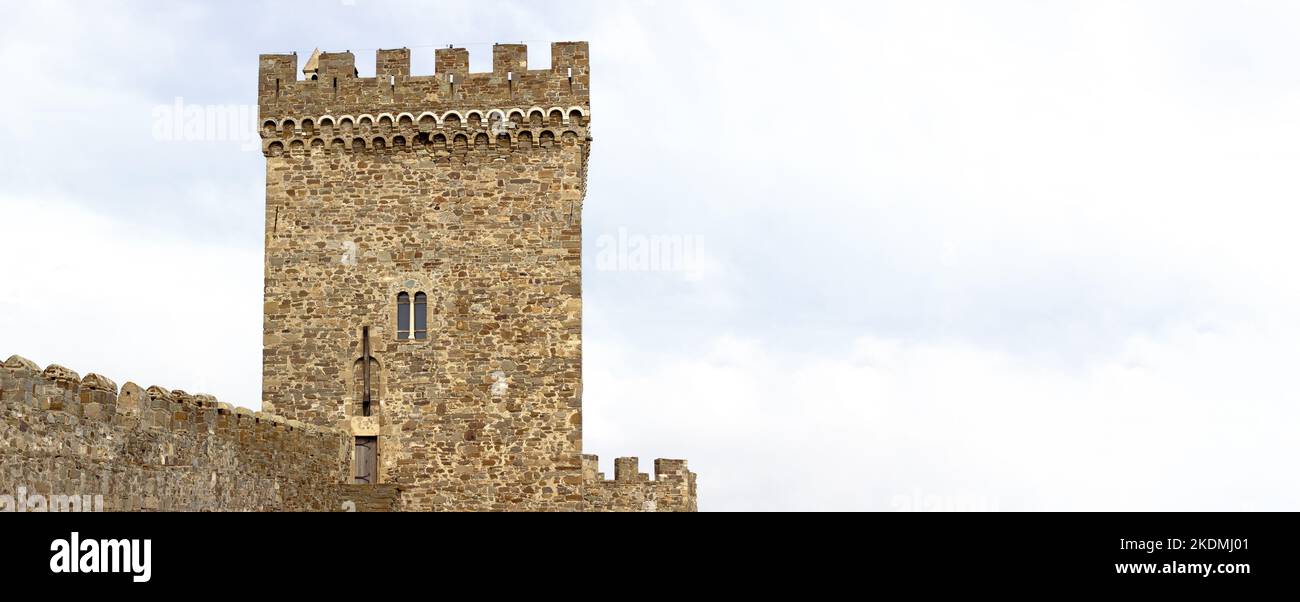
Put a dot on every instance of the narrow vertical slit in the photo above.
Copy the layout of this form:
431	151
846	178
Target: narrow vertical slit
365	370
420	316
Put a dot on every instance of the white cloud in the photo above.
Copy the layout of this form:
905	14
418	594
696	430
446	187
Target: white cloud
130	300
1190	421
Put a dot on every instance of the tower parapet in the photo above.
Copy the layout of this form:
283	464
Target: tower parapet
332	101
671	490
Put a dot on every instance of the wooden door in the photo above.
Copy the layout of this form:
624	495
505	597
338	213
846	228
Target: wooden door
366	461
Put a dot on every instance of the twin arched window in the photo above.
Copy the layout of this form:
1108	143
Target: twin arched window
406	314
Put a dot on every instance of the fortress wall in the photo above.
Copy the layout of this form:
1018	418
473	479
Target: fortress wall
158	450
672	490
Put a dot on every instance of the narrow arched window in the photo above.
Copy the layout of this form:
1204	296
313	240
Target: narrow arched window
421	316
403	316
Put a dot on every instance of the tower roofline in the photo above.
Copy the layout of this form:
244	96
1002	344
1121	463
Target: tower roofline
331	84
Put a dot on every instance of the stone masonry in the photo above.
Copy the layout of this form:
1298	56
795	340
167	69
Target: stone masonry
465	189
423	315
155	449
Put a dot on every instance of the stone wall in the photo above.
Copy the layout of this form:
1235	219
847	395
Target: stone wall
154	449
672	490
484	412
369	498
159	450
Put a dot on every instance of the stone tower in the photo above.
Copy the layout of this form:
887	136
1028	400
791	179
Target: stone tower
423	274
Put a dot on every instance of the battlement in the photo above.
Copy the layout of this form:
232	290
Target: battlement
330	84
626	469
159	449
671	490
97	397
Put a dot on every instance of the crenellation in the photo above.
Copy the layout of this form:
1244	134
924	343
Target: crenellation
156	394
96	382
131	399
392	64
670	469
673	488
267	464
204	401
62	377
625	469
591	468
98	397
341	65
18	362
58	383
276	71
332	87
451	64
510	60
59	387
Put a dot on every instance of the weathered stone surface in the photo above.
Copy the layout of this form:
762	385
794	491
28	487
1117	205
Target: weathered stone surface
460	193
138	464
466	191
132	400
96	382
369	498
60	375
17	362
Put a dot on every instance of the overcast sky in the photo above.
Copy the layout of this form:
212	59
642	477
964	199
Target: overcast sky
995	255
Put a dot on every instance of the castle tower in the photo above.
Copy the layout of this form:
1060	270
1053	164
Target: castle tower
423	273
